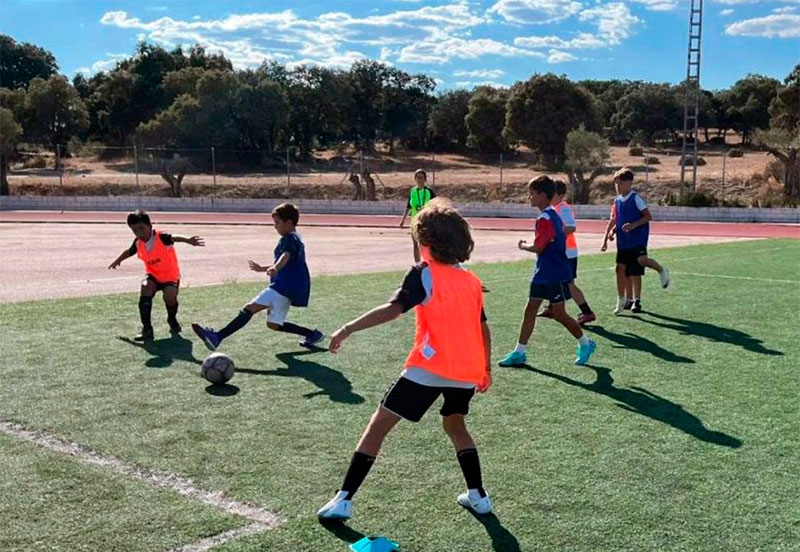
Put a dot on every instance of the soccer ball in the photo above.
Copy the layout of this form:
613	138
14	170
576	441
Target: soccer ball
217	368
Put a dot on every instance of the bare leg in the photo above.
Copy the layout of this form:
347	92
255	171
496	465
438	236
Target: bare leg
560	314
456	429
380	424
416	250
646	261
529	320
636	287
622	281
577	294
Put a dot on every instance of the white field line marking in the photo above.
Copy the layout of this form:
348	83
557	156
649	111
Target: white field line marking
222	538
737	277
264	519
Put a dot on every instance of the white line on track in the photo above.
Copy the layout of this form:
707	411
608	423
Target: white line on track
263	519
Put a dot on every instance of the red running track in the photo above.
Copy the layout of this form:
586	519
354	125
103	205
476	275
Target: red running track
716	229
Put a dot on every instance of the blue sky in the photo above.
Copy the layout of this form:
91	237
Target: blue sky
460	43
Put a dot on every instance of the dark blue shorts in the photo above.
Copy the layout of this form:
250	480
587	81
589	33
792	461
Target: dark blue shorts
555	293
630	258
573	263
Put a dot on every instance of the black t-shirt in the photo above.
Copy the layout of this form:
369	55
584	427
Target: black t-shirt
412	292
166	239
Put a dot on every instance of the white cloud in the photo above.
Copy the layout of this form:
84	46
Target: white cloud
535	12
771	26
103	65
473	84
786	9
740	2
480	73
614	21
582	41
658	5
447	49
557	56
726	12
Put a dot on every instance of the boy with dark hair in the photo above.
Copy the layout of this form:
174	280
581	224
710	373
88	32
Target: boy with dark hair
155	249
450	357
418	197
550	277
630	222
290	285
567	215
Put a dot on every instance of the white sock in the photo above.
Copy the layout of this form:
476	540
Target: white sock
520	348
623	298
583	340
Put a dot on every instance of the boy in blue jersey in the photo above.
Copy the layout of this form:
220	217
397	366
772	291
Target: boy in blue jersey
551	276
630	222
290	285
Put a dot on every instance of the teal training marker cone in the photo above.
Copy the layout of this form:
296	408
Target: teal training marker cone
379	544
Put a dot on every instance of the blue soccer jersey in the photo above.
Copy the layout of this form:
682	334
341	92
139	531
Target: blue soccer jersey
293	280
629	209
552	265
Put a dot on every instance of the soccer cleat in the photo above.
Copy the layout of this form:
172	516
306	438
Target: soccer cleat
585	352
145	335
628	305
175	328
547	312
586	318
337	508
209	337
476	503
514	358
620	308
637	307
665	281
313	339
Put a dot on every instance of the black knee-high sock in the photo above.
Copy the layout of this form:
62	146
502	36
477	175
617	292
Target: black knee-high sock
288	327
360	465
236	324
585	309
471	468
172	314
146	310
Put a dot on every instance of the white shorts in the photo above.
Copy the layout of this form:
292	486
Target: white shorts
277	305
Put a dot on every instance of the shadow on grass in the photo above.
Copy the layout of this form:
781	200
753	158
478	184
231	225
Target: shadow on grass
639	343
165	351
331	383
641	401
222	389
711	332
341	531
503	540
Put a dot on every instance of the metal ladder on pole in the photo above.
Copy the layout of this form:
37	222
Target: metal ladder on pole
692	99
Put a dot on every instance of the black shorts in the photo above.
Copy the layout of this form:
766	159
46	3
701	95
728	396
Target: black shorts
411	400
160	285
630	258
555	293
573	263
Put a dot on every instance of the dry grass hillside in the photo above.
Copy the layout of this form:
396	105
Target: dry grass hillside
749	180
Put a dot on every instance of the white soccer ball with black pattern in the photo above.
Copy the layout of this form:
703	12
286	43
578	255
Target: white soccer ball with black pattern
217	368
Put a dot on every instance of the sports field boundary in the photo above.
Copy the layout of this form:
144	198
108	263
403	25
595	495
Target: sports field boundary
262	520
346	207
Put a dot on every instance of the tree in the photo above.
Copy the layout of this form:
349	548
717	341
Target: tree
10	131
53	111
407	101
783	138
486	118
749	99
651	108
367	80
446	123
543	110
21	62
587	153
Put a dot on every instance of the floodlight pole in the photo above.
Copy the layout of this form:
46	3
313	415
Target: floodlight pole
692	98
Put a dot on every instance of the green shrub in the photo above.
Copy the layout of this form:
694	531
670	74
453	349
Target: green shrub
735	152
636	151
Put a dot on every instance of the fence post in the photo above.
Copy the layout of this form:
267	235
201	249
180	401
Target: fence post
724	168
59	168
646	169
214	166
501	168
433	169
136	164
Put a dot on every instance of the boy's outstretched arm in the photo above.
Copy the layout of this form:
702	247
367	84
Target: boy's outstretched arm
118	261
194	240
405	213
377	316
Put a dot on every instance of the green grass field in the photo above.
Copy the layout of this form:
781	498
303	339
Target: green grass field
683	434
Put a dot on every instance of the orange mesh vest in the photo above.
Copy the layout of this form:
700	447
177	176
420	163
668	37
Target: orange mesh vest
572	242
160	260
448	340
